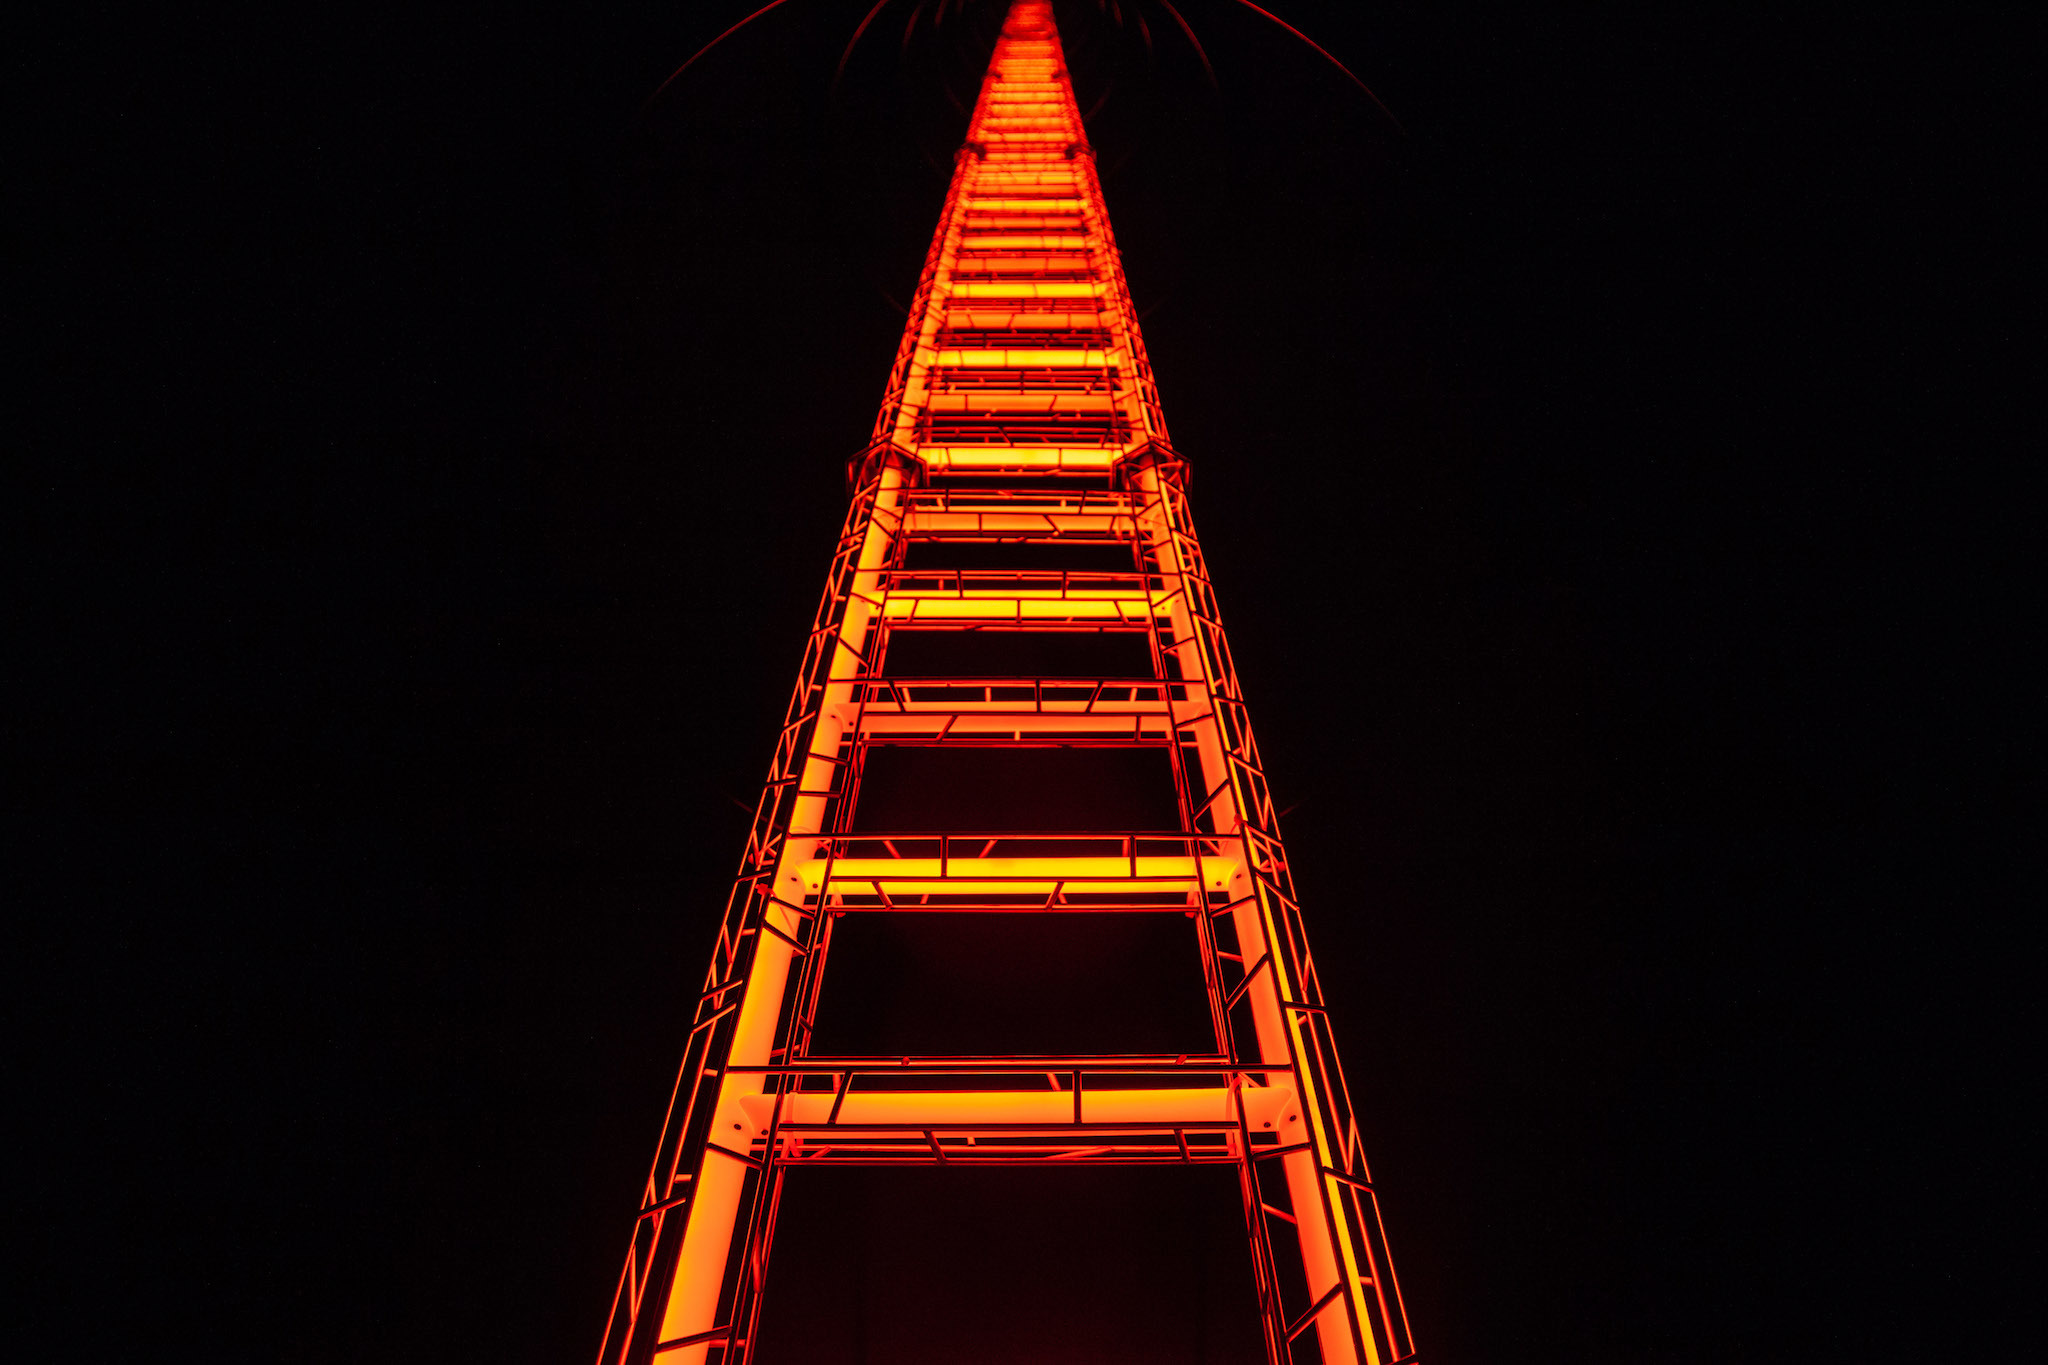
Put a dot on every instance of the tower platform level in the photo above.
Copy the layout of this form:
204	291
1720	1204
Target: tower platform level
1016	708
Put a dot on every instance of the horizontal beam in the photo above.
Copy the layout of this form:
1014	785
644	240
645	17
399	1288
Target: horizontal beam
1267	1109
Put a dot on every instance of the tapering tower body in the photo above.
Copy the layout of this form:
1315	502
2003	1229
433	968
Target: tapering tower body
1017	629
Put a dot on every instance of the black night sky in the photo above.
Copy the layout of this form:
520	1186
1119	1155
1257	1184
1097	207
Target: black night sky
431	466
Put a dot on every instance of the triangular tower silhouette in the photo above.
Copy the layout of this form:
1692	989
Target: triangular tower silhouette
1017	702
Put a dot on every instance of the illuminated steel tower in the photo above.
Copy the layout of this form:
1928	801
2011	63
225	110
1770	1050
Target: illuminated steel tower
1019	489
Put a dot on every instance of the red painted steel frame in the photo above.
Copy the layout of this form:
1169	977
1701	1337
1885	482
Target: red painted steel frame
1021	408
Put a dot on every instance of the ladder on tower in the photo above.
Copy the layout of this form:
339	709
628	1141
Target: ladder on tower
1018	488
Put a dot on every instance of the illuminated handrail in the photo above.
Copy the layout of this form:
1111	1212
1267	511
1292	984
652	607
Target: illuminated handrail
1044	429
818	1099
962	579
1046	338
1021	858
1024	696
1077	501
1078	274
957	846
1063	1065
1094	381
1022	1091
1080	401
1025	582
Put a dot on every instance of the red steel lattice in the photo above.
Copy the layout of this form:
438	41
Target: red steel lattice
1021	409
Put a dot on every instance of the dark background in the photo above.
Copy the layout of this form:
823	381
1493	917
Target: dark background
430	467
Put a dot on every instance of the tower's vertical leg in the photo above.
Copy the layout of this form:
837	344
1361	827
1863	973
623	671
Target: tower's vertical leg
713	1183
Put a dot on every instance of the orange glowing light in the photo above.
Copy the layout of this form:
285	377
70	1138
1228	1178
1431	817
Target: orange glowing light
1021	409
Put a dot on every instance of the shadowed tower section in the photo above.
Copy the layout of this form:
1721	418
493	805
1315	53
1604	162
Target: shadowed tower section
1013	968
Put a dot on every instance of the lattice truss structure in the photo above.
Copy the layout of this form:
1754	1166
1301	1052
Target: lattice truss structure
1020	411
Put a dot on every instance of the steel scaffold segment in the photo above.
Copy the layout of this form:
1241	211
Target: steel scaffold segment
1020	410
